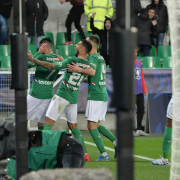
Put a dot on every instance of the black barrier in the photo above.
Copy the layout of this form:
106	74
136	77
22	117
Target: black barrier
123	42
19	74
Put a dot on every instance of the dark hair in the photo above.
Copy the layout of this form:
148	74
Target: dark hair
94	39
46	40
151	9
160	2
87	45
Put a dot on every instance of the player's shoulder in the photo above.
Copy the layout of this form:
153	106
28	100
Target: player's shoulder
96	57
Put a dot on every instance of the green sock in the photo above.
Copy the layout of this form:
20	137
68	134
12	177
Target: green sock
98	140
78	135
106	132
167	142
47	127
40	128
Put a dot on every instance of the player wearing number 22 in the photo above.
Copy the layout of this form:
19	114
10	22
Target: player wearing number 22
64	103
41	91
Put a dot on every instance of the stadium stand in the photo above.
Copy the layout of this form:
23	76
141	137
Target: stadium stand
54	49
164	51
5	50
167	62
61	38
67	51
32	48
151	62
49	35
5	61
153	51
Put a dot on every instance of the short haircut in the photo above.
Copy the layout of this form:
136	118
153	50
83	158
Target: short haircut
46	40
151	9
87	45
94	39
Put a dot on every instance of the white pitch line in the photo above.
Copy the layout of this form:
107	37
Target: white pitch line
110	149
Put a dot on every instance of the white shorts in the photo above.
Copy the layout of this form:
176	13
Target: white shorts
63	109
36	108
96	110
170	109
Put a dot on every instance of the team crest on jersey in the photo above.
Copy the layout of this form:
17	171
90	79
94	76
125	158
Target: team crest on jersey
137	73
63	82
36	80
93	83
60	64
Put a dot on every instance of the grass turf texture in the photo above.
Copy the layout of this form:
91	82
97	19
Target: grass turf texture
150	147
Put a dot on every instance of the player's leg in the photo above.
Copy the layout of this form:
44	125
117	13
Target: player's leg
70	115
42	113
104	130
140	113
166	144
93	112
55	109
35	108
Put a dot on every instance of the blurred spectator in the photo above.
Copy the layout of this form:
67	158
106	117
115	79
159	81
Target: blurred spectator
5	11
103	9
154	28
161	17
74	16
103	35
143	24
145	28
36	14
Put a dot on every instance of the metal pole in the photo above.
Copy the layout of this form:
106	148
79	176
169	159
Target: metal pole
122	55
19	83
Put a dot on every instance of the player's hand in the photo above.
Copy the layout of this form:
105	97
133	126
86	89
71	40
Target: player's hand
154	22
73	68
93	14
42	48
60	58
145	94
62	1
30	56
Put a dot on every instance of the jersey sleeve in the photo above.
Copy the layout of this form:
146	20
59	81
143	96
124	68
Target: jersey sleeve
36	54
62	64
31	65
93	64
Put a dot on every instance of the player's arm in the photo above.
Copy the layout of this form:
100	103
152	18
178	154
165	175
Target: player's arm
49	66
76	68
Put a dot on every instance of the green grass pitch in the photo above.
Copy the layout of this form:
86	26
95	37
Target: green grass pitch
149	147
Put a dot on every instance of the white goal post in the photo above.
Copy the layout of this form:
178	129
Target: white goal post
174	25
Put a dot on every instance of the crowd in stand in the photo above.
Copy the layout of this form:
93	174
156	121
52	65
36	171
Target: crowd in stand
151	22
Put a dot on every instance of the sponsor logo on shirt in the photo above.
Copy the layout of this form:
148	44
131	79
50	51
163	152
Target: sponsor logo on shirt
93	83
60	64
36	80
137	73
52	59
102	83
46	82
63	82
71	87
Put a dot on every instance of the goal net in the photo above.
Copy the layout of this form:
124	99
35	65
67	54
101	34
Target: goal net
174	25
